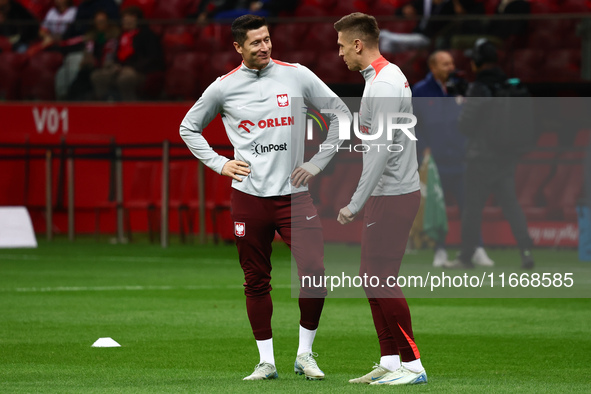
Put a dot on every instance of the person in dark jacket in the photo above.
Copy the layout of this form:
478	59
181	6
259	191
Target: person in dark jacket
100	48
73	41
437	106
17	24
138	53
488	170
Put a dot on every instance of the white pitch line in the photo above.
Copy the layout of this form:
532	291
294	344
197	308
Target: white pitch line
19	256
124	288
130	259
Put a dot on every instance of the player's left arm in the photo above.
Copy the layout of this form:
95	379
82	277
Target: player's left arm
385	99
320	96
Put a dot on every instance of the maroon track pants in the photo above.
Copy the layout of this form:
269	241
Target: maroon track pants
295	218
386	226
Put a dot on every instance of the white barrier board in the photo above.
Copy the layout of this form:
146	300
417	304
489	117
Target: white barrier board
16	229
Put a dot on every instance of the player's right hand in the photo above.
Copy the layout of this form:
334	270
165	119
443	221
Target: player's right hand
233	168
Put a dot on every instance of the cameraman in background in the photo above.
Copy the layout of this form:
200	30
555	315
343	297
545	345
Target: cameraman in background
497	119
437	132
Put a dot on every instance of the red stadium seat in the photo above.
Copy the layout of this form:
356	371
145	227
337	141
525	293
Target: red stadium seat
216	37
142	196
50	61
383	7
5	45
400	26
11	65
582	138
346	7
289	36
152	86
453	212
173	9
412	63
553	34
323	36
530	178
184	196
223	191
574	6
38	78
562	65
527	63
305	58
538	7
326	5
572	193
184	76
332	70
147	6
490	6
559	188
309	10
224	63
177	39
38	8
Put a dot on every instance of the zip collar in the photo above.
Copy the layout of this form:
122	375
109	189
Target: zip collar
371	72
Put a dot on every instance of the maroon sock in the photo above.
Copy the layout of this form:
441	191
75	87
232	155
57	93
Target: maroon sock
260	310
387	344
310	311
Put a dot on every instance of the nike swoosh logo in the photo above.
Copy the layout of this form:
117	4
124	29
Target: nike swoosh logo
371	224
391	380
242	106
375	378
310	217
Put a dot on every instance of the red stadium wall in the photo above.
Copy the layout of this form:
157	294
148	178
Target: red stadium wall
44	123
48	123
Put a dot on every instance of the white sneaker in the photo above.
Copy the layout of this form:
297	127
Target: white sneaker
481	258
263	371
402	376
376	374
306	365
440	257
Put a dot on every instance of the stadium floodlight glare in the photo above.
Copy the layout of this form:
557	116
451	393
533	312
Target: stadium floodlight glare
105	342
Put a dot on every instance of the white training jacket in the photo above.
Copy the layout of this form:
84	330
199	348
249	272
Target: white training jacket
385	172
264	115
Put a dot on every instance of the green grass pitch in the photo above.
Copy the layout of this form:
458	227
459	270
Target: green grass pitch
179	315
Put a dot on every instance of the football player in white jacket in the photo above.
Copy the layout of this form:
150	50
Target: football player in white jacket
261	105
389	190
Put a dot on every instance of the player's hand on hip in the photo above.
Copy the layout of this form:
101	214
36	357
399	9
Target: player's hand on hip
303	174
300	177
234	168
345	216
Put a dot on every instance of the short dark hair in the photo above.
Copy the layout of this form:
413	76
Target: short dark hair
134	11
484	52
243	24
363	26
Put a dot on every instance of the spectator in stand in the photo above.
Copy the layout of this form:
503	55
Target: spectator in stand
22	33
73	41
57	20
440	32
100	49
507	28
138	53
437	131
